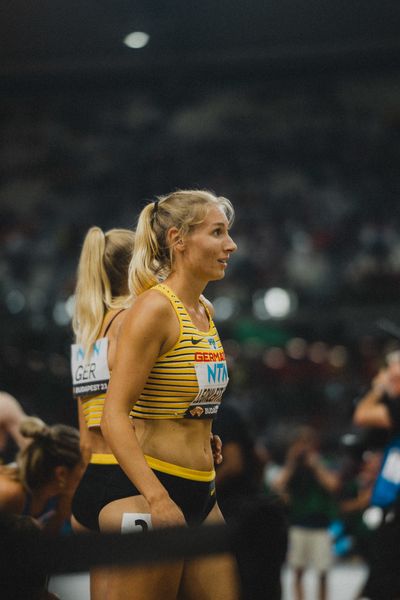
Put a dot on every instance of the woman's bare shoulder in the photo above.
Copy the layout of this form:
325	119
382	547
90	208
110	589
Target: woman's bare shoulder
151	304
11	492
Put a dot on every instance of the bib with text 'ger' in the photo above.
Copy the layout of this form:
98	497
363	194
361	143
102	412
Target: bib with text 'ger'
90	377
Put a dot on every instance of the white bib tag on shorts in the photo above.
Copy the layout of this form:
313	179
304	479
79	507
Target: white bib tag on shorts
212	379
135	522
90	378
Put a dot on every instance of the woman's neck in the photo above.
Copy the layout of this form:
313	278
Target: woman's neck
187	291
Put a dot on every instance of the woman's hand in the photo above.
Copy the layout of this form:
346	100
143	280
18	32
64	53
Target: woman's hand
216	447
165	513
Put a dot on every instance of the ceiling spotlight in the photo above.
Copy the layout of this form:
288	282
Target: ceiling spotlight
136	39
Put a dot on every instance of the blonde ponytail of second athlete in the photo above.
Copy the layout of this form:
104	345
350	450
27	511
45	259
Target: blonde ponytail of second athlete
89	295
101	281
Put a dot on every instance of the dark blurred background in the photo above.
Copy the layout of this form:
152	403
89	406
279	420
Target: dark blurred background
290	109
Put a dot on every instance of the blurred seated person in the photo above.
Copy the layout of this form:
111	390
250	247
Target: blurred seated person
11	415
309	489
23	575
45	476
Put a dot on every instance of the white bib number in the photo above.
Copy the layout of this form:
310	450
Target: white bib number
135	522
212	379
90	377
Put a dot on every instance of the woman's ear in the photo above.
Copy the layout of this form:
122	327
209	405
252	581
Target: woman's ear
61	476
174	239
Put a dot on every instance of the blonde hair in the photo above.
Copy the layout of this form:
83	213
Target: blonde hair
183	209
102	281
51	446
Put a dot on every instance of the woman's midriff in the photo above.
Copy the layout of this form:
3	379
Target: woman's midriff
98	444
182	442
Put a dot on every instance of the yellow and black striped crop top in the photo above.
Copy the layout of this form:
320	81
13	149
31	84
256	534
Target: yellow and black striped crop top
187	381
93	410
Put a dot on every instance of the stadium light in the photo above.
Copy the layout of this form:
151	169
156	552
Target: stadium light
136	39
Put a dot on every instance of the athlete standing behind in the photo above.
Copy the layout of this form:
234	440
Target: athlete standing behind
101	296
169	373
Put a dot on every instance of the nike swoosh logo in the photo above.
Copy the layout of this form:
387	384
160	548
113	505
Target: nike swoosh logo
194	341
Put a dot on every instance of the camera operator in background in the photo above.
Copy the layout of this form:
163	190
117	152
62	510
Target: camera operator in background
308	486
380	408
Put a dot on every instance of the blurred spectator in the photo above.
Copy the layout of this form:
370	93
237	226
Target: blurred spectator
46	474
239	484
11	415
380	407
239	475
309	489
351	534
22	574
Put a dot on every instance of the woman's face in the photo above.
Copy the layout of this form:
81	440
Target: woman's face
207	248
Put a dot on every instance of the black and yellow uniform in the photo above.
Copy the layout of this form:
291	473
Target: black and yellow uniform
187	381
93	374
104	481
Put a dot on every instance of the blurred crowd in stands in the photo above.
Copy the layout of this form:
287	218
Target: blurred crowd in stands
311	165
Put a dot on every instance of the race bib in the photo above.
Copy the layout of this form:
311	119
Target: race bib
90	377
136	522
212	379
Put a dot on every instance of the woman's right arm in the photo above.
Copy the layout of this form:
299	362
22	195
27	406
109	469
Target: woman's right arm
144	334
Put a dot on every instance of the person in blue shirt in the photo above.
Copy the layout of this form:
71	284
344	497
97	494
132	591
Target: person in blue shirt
380	408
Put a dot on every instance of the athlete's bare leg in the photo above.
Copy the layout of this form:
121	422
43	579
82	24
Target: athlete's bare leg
138	583
211	578
98	577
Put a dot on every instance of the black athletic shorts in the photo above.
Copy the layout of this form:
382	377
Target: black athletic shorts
101	484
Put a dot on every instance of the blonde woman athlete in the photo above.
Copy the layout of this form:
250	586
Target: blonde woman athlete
169	374
101	297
